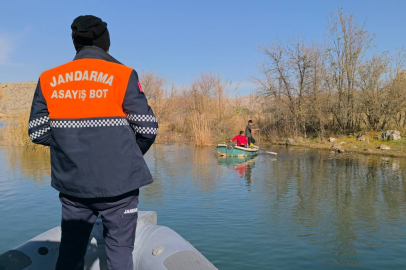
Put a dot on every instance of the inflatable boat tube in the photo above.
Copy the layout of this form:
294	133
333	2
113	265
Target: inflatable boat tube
156	248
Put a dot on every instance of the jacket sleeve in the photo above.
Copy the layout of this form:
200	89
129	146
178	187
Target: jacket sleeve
139	114
233	139
38	125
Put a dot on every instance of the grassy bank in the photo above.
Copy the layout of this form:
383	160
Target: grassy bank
349	144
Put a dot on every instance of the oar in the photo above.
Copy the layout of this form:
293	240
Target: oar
259	140
259	137
272	153
269	152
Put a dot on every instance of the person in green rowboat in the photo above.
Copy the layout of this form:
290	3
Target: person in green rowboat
248	133
241	139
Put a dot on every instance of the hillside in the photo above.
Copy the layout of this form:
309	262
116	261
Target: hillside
16	97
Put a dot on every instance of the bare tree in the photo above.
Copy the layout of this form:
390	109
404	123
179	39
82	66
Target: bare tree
348	43
288	75
160	96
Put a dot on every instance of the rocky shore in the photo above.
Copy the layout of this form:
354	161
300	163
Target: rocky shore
388	143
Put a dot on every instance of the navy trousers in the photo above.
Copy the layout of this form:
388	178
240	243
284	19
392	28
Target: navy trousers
119	215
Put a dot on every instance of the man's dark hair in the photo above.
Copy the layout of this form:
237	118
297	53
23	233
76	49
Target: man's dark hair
241	132
249	121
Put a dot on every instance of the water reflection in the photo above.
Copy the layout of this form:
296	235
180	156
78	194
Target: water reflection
345	202
304	207
241	165
29	164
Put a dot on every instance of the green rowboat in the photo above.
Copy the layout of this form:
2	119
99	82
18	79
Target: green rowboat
236	151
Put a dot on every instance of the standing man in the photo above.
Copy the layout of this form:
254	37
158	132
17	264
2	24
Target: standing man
93	114
248	133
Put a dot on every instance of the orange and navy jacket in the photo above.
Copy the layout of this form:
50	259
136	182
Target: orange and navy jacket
93	114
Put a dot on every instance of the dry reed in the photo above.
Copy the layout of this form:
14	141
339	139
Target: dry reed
15	133
212	117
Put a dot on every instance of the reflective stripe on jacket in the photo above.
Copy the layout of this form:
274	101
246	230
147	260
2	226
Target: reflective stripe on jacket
93	114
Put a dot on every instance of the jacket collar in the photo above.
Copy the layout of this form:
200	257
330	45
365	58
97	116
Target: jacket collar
94	52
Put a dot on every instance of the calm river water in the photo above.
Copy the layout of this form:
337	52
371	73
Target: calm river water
304	209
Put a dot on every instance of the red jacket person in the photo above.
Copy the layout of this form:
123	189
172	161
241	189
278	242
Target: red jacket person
241	139
93	114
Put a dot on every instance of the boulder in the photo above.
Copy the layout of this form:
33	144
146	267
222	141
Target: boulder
367	150
331	139
336	147
353	147
361	138
384	147
342	143
300	139
391	135
340	151
290	141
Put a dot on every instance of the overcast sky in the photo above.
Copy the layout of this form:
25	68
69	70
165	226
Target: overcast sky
179	39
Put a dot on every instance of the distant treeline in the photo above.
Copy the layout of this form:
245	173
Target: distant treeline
202	113
304	89
341	86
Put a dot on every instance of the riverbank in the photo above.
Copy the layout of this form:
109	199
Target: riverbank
345	144
15	101
349	144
